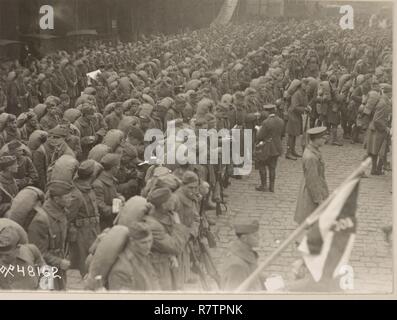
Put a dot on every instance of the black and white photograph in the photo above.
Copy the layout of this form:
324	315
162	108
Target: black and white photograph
196	146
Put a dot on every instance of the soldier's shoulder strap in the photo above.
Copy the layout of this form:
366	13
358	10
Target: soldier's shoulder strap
6	192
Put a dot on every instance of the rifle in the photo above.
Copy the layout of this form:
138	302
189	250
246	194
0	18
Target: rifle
197	268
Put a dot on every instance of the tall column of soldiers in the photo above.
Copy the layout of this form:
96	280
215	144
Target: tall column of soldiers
71	173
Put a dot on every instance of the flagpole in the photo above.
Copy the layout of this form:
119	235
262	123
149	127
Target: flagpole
308	222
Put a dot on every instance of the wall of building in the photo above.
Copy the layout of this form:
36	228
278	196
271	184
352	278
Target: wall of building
282	8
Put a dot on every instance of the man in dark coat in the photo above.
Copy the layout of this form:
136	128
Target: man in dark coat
314	188
113	119
55	147
48	230
85	124
242	260
129	177
379	130
27	174
14	105
51	119
105	187
23	257
188	211
299	104
70	74
133	269
8	185
269	143
83	215
59	84
10	131
169	238
30	124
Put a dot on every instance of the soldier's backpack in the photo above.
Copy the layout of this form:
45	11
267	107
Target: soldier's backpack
98	152
22	208
104	253
63	169
126	123
133	210
5	222
36	139
113	139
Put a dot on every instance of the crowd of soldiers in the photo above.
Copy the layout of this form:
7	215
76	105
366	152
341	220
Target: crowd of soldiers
75	191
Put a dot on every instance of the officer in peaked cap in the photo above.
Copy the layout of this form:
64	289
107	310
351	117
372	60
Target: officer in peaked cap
314	188
268	147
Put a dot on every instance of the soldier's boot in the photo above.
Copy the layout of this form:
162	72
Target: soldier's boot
290	147
387	166
289	155
293	151
263	177
334	137
374	165
272	178
379	167
355	131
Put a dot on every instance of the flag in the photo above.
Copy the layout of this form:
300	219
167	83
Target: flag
329	241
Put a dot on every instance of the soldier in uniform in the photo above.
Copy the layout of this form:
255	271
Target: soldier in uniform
133	269
23	257
188	211
29	125
51	119
54	147
59	83
70	74
269	138
105	187
14	105
241	259
113	119
39	156
136	138
10	131
48	229
85	124
83	214
3	99
299	104
169	239
26	174
380	130
174	112
45	85
314	188
8	185
129	177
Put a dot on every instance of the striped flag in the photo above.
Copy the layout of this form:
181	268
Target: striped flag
329	241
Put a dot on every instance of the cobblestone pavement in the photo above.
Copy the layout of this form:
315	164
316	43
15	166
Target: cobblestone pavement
371	257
